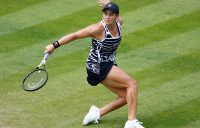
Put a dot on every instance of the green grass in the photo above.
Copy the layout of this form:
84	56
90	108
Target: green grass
160	48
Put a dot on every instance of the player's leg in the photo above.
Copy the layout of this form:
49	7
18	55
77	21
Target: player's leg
115	104
123	81
126	88
95	113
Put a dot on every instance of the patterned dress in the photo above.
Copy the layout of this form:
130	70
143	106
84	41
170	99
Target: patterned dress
103	50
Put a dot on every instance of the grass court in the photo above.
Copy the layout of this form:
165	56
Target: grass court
160	48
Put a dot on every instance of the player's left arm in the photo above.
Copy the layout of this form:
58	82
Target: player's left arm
119	18
102	3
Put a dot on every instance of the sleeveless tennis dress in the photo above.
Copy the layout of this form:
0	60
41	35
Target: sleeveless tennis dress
102	56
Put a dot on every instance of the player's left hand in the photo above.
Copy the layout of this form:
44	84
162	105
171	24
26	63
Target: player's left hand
102	3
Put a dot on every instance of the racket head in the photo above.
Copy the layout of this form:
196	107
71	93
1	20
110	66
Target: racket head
35	80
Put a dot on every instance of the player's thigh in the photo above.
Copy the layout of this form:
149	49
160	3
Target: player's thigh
120	92
118	78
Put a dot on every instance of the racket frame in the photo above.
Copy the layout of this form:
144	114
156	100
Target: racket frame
43	62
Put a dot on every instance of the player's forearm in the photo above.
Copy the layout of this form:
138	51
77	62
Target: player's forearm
67	39
64	40
86	32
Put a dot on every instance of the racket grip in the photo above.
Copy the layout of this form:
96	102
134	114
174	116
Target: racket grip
46	56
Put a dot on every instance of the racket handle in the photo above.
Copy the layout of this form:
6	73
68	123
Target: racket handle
46	56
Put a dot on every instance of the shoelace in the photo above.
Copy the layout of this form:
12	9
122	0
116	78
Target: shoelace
139	122
96	121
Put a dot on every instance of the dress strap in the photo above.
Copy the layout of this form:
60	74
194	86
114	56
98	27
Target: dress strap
104	25
119	27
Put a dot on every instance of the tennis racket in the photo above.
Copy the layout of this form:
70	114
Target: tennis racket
37	78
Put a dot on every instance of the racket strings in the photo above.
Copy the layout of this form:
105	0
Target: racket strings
35	79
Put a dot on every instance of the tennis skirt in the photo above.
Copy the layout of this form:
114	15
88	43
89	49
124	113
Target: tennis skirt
94	79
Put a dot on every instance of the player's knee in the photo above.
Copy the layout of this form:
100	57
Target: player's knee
123	100
122	95
132	84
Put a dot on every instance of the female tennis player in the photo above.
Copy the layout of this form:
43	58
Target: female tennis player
101	65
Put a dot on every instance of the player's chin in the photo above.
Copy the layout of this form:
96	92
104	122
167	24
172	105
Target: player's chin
108	22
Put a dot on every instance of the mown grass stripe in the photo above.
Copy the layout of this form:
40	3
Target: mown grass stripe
10	6
54	28
158	12
161	31
125	7
168	71
130	5
48	9
160	52
43	12
50	31
193	124
44	32
168	95
182	115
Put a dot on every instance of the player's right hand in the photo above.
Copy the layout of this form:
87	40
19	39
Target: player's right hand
49	48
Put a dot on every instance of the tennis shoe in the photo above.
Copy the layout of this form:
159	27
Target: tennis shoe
92	116
133	124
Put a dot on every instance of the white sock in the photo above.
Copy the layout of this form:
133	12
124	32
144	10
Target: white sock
132	121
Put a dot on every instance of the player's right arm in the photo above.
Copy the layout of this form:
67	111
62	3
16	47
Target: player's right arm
90	31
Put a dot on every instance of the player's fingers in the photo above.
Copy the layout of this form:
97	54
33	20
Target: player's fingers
100	3
49	48
103	2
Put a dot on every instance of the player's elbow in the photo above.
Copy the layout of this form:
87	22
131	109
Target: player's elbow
74	36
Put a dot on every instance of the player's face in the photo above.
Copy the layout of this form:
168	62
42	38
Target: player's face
109	17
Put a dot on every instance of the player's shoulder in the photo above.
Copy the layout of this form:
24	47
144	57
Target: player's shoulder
96	28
